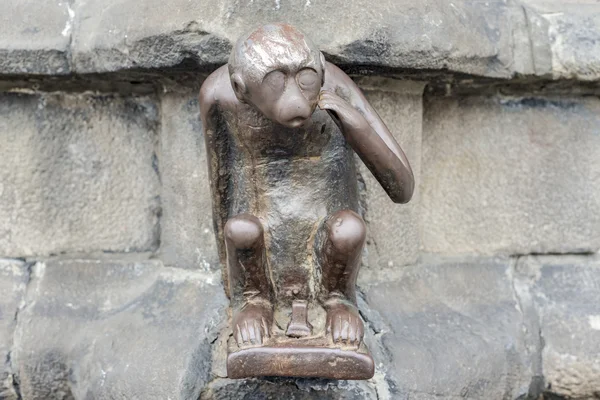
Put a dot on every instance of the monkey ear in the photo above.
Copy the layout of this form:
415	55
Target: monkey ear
239	87
322	57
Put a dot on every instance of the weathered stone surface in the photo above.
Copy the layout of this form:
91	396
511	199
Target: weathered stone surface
573	29
76	174
465	36
565	292
35	37
13	282
109	330
451	329
187	237
511	175
500	39
393	236
281	388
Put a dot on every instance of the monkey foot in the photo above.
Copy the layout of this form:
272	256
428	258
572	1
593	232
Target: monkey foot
252	324
343	323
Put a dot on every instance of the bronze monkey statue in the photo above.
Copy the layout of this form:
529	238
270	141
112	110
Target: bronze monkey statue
281	125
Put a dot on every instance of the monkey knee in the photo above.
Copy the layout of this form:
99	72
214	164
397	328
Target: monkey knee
244	231
347	232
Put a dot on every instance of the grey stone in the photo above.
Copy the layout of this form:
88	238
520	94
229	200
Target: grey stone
284	388
449	329
531	44
498	39
187	237
13	283
511	175
393	235
539	41
462	36
115	329
76	174
565	292
573	29
35	37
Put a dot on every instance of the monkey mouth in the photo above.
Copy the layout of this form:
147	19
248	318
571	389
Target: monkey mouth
296	122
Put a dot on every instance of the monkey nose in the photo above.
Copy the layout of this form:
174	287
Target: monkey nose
299	114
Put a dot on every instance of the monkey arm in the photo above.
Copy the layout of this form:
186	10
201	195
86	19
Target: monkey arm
367	134
216	138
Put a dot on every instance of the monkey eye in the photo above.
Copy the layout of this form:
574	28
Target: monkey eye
307	78
275	80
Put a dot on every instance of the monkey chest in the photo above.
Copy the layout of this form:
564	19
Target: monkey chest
297	174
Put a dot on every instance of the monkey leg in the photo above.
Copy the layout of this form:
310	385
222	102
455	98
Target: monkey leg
340	261
250	289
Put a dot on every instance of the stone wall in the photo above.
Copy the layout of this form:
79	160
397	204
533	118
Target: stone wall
485	286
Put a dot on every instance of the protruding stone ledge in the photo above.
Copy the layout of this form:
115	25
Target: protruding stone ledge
35	37
493	39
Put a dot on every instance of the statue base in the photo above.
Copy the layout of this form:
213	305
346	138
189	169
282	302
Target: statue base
302	358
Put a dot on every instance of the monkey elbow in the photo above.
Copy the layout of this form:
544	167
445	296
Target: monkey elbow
400	197
402	193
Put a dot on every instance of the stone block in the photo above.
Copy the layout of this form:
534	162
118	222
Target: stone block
289	388
35	37
393	235
77	174
117	329
565	293
511	175
449	329
13	282
462	36
187	236
499	39
573	36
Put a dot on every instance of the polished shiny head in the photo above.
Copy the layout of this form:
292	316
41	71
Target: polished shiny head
279	71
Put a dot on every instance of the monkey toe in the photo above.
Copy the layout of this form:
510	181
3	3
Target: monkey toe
344	325
252	325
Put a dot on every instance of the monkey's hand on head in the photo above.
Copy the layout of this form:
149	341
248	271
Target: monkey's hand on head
344	114
366	133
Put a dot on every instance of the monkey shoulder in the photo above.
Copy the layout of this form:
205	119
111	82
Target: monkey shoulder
217	91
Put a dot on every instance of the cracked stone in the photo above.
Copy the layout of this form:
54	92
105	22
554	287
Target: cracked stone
283	388
565	292
115	329
465	36
450	329
13	283
497	39
35	37
573	29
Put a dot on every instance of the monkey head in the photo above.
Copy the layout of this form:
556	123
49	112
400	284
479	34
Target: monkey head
279	71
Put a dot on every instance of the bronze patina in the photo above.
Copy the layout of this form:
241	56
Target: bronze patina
281	126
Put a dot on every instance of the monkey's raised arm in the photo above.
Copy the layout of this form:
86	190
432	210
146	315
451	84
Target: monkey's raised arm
216	136
373	142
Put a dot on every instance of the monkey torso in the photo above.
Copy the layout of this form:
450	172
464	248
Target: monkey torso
292	179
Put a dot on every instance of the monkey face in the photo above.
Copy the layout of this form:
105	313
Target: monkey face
285	96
